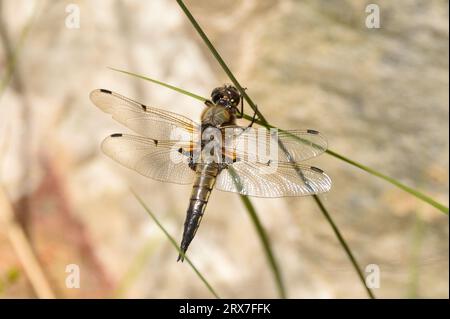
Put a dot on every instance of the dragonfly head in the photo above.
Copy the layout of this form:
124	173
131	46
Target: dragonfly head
226	95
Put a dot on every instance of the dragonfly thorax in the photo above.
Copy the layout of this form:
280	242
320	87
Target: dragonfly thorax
218	115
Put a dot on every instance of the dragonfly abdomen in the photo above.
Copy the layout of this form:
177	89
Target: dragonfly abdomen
205	178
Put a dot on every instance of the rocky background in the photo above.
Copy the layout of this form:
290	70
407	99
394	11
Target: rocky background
379	95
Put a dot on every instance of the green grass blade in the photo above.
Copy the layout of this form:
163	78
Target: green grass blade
330	152
219	59
262	235
260	230
393	181
415	257
174	243
195	96
266	245
344	245
252	105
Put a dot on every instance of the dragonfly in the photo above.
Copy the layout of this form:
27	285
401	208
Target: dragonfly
213	154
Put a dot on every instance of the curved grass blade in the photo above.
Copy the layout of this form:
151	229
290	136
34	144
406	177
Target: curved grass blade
344	245
174	243
262	118
330	152
258	225
407	189
195	96
393	181
262	235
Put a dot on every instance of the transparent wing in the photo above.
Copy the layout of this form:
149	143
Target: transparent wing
144	120
261	144
160	160
273	179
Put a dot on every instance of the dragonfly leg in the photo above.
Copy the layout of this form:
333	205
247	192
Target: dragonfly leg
223	166
254	117
191	164
241	112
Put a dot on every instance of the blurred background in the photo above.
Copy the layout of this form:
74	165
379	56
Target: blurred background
379	95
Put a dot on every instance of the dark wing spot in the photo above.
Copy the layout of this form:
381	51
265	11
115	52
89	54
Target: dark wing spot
268	162
313	132
105	91
144	107
180	150
316	169
156	142
116	135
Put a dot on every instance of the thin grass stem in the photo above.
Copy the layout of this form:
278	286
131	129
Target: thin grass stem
174	243
262	235
414	192
262	118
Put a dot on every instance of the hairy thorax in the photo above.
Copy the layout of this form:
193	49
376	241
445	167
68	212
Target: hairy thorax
217	116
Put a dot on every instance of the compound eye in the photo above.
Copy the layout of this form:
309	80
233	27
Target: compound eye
216	96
